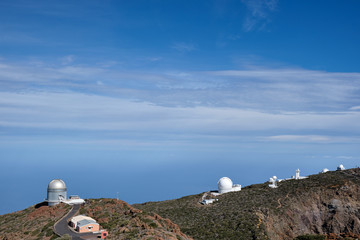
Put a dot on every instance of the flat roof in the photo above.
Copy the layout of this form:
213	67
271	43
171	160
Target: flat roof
86	222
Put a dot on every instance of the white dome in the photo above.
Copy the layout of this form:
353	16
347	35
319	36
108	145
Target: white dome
225	183
341	167
325	170
57	184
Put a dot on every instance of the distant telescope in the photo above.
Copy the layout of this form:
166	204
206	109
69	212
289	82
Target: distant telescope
226	185
340	167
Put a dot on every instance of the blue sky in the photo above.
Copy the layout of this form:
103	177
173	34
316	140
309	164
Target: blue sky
137	94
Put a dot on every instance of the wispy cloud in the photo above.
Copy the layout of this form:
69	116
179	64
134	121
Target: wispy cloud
299	138
183	47
67	59
355	108
259	14
19	37
345	157
227	103
261	89
77	111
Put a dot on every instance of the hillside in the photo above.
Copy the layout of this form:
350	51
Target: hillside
126	222
35	222
327	203
119	218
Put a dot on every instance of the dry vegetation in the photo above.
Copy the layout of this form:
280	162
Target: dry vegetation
119	218
35	222
126	222
324	206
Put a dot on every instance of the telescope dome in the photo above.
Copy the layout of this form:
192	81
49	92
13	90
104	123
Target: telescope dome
57	184
225	184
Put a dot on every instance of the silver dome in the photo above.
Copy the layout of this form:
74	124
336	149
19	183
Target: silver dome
57	184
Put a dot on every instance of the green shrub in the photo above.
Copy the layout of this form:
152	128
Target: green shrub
153	225
310	237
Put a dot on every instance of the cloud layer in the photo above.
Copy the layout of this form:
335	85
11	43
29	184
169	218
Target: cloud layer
261	101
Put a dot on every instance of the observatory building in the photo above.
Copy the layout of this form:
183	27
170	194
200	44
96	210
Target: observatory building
325	170
340	167
297	176
273	180
226	185
56	192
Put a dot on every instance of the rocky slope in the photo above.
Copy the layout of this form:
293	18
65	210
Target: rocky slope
120	219
327	205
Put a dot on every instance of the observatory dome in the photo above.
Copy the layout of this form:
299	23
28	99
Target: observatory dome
325	170
56	192
340	167
57	184
225	184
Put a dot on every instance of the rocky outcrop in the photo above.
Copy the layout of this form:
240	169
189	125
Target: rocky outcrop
333	209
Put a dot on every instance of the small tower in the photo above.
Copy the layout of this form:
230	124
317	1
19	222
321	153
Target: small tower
297	176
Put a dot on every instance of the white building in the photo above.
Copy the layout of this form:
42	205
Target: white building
297	176
208	201
340	167
75	220
226	185
324	170
273	182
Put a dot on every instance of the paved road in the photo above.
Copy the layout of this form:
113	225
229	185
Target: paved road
62	227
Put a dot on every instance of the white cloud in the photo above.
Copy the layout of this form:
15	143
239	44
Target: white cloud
311	138
258	15
154	59
183	47
219	103
67	59
355	108
284	89
299	138
345	157
263	89
93	112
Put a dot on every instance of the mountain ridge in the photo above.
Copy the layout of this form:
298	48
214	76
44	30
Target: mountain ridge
323	206
326	204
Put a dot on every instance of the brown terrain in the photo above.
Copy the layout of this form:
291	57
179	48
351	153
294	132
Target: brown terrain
120	219
126	222
35	222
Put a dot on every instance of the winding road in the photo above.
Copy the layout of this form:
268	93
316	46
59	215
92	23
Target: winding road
62	227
